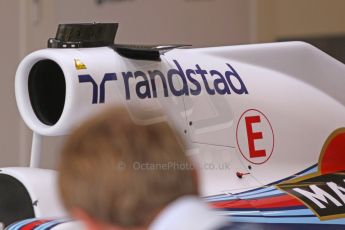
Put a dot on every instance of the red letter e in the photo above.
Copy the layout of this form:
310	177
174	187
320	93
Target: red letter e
252	136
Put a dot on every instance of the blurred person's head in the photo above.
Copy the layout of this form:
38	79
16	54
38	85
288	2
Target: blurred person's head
115	173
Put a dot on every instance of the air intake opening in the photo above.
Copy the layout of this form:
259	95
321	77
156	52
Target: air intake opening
47	91
15	201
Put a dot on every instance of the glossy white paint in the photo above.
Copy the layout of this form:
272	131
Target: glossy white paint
296	90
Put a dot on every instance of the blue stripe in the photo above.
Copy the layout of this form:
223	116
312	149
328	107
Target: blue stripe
43	226
261	216
229	197
311	169
293	212
261	190
18	225
218	197
223	198
271	193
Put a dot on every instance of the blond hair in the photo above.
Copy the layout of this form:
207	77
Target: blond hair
120	172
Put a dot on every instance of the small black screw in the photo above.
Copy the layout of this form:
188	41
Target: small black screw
190	123
249	167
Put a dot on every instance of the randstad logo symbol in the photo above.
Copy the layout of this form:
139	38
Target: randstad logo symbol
192	81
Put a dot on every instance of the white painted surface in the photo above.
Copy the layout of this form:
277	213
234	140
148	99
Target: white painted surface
28	25
292	101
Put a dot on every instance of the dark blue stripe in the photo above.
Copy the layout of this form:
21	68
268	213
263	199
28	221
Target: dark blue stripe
274	183
279	181
50	227
270	190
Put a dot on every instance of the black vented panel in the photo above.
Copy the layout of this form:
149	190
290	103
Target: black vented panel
15	201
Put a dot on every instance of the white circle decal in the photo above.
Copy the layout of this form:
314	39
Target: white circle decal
255	137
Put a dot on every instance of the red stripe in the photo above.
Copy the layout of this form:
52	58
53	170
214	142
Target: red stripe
34	224
270	202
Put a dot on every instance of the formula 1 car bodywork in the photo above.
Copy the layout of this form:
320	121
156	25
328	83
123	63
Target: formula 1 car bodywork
264	123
